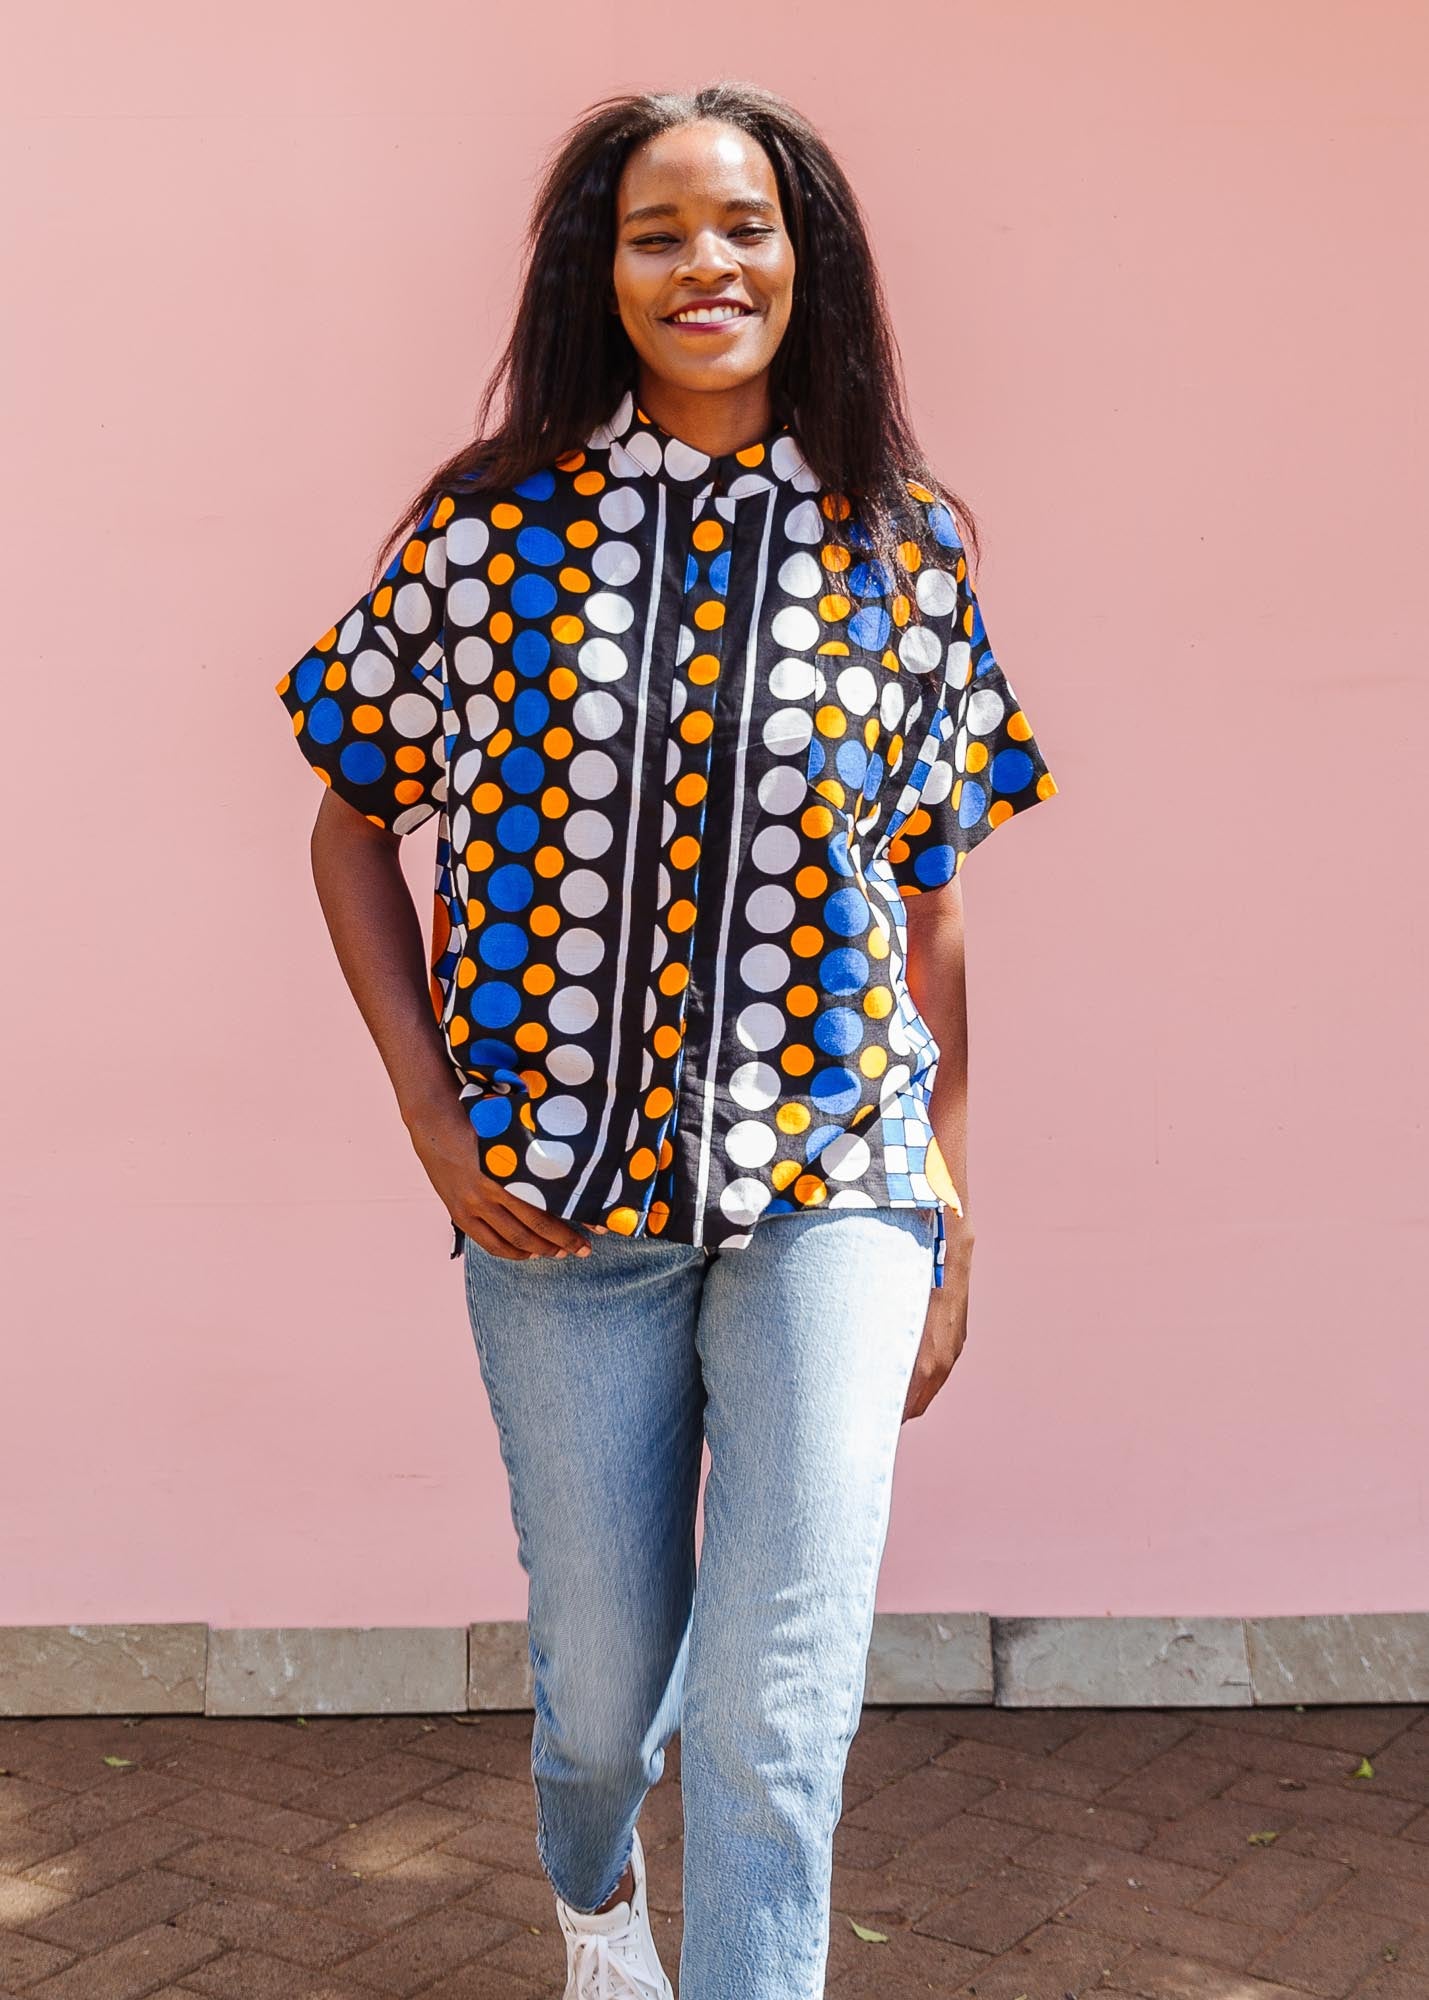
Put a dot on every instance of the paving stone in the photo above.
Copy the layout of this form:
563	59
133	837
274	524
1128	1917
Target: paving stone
909	1963
251	1975
1000	1910
1332	1951
1141	1919
306	1937
1082	1819
1090	1862
1120	1662
1155	1975
1052	1961
130	1969
429	1948
1274	1888
1361	1657
152	1896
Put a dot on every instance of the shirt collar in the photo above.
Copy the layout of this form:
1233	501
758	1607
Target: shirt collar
642	448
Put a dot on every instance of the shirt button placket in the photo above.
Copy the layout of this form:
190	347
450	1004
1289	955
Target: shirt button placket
686	794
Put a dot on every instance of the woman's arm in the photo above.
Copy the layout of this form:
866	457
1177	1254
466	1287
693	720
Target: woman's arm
937	981
375	932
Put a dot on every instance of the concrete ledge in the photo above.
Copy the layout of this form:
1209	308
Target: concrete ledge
102	1669
1363	1658
922	1656
1121	1663
337	1670
915	1658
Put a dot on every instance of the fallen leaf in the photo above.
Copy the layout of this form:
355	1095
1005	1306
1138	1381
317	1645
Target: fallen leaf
1364	1769
868	1936
301	1720
120	1763
1260	1839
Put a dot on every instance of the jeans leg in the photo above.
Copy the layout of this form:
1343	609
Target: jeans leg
807	1336
593	1378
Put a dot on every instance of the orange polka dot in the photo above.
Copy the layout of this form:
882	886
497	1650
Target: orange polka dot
622	1221
830	721
501	627
685	852
479	856
680	915
691	788
807	940
567	631
545	921
539	979
703	669
782	1172
499	570
335	676
562	683
589	482
816	821
458	1032
555	802
530	1035
708	535
408	791
792	1118
977	756
366	718
505	515
641	1164
665	1041
999	810
659	1101
574	580
697	727
832	609
410	757
558	743
1046	785
810	1190
581	534
500	1161
810	882
414	557
797	1059
803	1000
486	799
673	978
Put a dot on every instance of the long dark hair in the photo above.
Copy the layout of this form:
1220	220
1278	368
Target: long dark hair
836	377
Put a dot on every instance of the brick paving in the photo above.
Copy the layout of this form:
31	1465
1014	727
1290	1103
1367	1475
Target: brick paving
998	1854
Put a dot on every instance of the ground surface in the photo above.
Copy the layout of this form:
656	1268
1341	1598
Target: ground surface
997	1853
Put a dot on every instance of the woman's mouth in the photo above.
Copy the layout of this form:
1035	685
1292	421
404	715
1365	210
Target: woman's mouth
708	319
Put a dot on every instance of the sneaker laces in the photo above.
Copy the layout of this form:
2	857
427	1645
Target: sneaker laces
600	1970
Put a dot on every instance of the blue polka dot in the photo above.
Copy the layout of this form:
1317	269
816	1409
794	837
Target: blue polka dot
490	1115
851	762
972	803
518	829
935	866
778	1206
870	628
719	572
539	545
869	580
530	650
859	537
363	763
978	631
533	596
529	711
692	572
846	912
502	945
836	853
540	486
325	720
509	888
814	765
873	777
522	770
483	1054
494	1004
945	528
817	1137
511	1076
838	1030
843	971
835	1090
309	678
1010	771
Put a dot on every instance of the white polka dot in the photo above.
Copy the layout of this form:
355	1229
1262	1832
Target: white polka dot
775	850
985	710
461	828
801	575
760	1026
552	1159
960	663
920	649
473	660
413	816
592	774
937	591
743	1200
465	772
573	1009
764	967
602	660
482	716
372	673
795	628
938	783
846	1158
352	628
788	731
568	1063
434	563
790	463
792	680
467	601
804	523
596	715
683	461
784	789
616	562
412	608
851	1198
579	951
414	715
640	454
588	833
858	690
583	892
750	1144
563	1116
467	540
528	1191
621	508
754	1086
771	909
608	611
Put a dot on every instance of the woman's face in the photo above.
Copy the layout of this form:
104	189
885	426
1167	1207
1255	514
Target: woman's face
698	219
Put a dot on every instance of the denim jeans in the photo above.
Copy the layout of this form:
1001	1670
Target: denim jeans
792	1354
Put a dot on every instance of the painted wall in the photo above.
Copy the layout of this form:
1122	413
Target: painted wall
1159	278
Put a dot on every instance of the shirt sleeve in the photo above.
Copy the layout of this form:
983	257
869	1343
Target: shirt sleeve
980	763
367	700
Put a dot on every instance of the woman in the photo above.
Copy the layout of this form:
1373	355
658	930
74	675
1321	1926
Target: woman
685	658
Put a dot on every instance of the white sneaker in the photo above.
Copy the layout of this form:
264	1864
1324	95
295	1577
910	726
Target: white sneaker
611	1955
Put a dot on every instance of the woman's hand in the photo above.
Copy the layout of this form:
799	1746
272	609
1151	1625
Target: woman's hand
946	1327
499	1221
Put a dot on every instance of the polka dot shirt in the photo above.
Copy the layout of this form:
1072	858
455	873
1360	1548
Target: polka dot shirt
687	757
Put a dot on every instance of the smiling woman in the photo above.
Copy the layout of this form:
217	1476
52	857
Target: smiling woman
685	659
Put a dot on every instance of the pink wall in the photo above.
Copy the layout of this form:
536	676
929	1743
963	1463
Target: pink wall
1159	279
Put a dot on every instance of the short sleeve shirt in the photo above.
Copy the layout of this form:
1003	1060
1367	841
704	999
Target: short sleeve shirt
687	756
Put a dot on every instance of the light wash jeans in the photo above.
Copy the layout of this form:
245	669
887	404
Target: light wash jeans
792	1354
